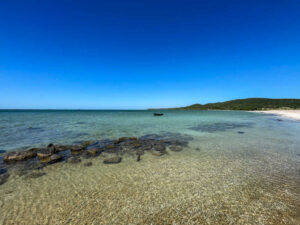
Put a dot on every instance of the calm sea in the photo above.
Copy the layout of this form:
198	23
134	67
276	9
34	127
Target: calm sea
239	167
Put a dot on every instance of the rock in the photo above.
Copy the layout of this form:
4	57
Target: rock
112	160
4	178
87	143
20	156
241	132
3	170
2	151
88	164
159	148
92	152
77	148
120	140
52	148
176	148
44	153
52	159
34	175
55	158
138	158
60	148
74	160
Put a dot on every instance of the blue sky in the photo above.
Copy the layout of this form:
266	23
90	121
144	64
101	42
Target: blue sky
137	54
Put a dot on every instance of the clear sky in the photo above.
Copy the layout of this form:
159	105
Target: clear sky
139	54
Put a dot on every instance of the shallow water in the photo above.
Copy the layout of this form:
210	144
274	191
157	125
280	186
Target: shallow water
238	168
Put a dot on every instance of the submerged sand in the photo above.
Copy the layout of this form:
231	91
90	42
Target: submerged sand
195	186
291	114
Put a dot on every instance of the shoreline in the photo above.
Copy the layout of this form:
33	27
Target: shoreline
290	114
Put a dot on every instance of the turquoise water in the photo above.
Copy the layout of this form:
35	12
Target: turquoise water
238	168
34	128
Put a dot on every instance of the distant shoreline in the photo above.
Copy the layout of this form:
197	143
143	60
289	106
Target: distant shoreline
290	114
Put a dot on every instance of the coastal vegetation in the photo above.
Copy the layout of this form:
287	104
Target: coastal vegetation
247	104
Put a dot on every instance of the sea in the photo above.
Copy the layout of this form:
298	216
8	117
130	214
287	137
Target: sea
237	168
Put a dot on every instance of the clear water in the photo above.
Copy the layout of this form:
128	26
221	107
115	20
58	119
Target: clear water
239	167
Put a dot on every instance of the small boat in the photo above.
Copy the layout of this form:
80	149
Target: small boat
158	114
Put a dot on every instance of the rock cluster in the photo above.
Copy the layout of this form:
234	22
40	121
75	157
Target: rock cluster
36	158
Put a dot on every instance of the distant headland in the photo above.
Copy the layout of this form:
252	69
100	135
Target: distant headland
249	104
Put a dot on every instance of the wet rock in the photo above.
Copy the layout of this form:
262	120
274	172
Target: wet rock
92	152
241	132
20	156
74	160
55	158
60	148
3	170
112	160
35	175
88	164
52	159
4	178
176	148
76	148
159	147
87	143
44	153
120	140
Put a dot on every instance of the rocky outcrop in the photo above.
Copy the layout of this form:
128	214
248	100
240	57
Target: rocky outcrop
20	156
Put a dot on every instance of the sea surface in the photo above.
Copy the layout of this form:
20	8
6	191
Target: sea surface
238	168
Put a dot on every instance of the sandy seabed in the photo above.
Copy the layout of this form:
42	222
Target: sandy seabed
194	186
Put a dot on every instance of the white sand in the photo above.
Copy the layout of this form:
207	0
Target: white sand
292	114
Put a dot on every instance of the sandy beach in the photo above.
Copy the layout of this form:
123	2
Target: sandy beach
291	114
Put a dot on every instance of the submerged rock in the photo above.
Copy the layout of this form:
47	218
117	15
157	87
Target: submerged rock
3	170
112	160
2	151
4	178
77	148
88	164
176	148
93	152
55	158
60	148
34	175
20	156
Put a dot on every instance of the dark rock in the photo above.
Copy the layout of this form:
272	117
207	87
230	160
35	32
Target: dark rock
34	175
93	152
52	159
241	132
176	148
3	170
77	148
112	160
44	153
74	160
88	164
60	148
2	151
4	178
120	140
52	148
159	147
20	156
138	158
87	143
55	158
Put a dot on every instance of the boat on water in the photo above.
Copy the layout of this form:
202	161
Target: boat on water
158	114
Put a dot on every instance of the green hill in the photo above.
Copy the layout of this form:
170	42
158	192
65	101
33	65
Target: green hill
248	104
